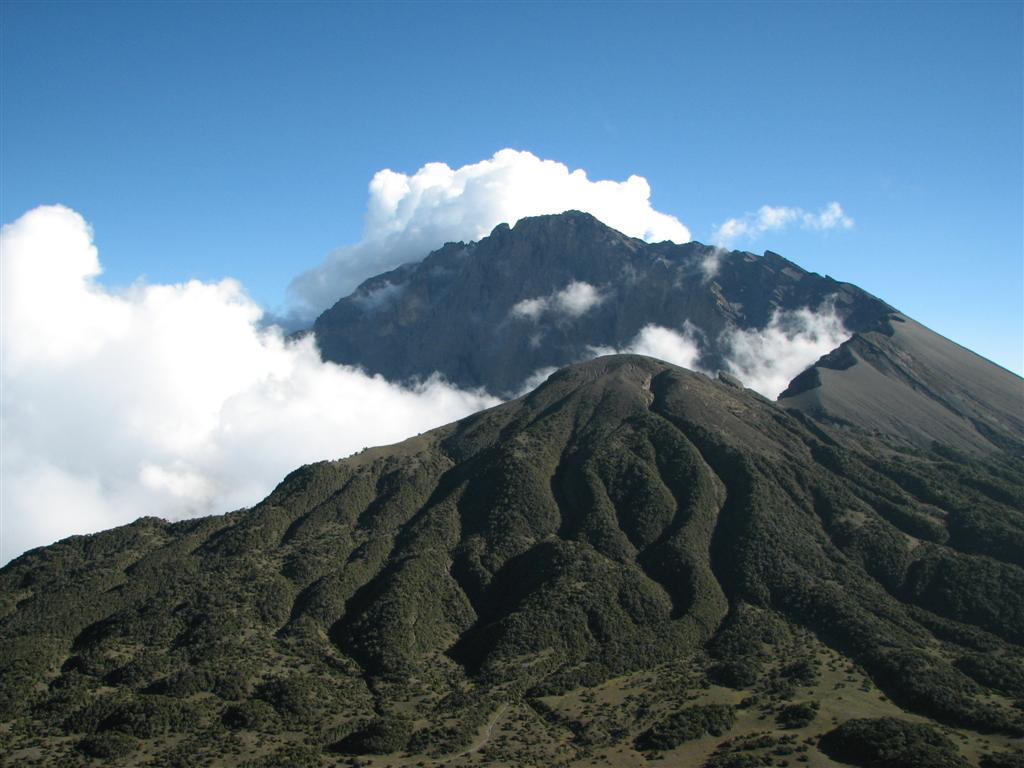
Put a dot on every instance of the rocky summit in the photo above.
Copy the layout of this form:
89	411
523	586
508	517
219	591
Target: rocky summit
632	563
548	291
553	290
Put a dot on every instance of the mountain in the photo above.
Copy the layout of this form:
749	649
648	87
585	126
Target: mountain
909	382
491	313
553	290
632	561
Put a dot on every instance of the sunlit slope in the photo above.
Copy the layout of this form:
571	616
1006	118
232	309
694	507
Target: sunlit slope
906	381
625	516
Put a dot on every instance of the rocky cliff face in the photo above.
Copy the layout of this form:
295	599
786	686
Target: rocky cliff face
554	289
489	314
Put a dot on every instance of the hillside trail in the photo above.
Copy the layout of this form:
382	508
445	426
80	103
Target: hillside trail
487	733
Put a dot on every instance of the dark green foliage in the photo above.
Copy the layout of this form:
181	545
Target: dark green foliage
734	760
108	746
797	715
971	589
933	686
1003	760
291	756
802	671
380	736
1001	672
624	516
302	698
685	725
227	682
746	630
147	716
141	670
739	673
890	743
253	715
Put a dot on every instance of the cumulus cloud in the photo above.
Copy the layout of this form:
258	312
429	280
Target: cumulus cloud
531	309
764	359
682	347
410	215
166	400
767	359
575	300
769	218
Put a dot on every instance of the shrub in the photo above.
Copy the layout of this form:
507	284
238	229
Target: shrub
740	673
107	746
890	743
687	724
797	715
1003	760
253	715
378	737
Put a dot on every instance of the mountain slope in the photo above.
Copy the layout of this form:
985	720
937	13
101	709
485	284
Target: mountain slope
907	381
506	587
491	313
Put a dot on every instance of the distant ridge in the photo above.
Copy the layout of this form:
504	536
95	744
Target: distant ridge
453	312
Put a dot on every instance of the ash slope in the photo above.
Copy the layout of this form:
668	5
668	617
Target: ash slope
624	515
452	312
906	381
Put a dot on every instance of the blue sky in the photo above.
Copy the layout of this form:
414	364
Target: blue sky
208	140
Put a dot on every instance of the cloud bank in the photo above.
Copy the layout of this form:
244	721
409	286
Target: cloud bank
768	359
764	359
768	218
409	215
166	400
575	300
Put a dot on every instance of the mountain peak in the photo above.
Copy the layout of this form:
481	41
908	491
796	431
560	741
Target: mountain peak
493	314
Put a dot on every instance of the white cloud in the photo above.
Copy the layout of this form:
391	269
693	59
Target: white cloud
682	348
710	263
575	300
678	348
410	215
379	296
165	400
534	380
830	217
764	359
767	359
531	309
769	218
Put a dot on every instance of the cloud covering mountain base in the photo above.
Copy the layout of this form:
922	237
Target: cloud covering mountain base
763	359
167	400
178	400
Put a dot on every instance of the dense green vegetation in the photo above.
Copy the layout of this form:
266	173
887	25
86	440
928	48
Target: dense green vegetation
624	517
891	743
797	715
687	724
